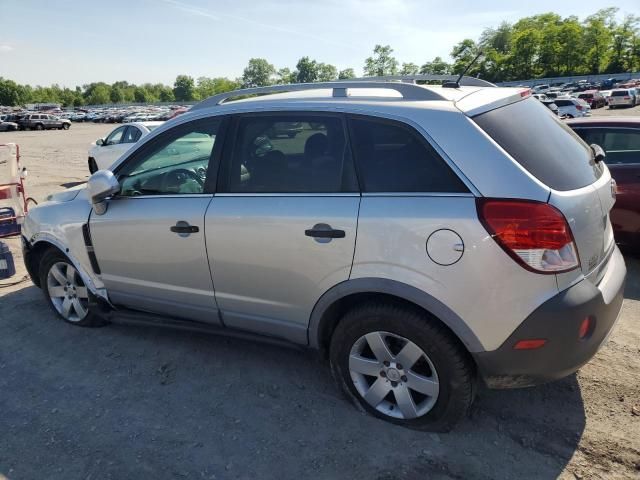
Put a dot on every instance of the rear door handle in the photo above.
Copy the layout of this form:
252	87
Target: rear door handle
183	228
322	230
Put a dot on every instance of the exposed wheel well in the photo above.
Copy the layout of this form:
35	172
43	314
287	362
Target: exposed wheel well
336	311
32	260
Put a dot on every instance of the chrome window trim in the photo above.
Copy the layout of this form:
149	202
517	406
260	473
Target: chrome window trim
172	195
419	194
309	194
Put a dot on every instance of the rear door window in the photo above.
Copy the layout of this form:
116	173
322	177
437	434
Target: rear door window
393	157
542	144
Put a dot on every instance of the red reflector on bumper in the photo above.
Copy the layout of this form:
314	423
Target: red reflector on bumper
529	344
585	328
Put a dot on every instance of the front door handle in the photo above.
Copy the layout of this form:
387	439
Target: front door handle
322	230
183	228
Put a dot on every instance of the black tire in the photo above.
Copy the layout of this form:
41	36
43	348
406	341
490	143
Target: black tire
65	126
48	260
455	370
39	126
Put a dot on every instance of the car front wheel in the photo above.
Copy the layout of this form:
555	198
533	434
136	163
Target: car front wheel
65	291
402	366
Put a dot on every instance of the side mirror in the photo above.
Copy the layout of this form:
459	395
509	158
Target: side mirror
100	142
100	187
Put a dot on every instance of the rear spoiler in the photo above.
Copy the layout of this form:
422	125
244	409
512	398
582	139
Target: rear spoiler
486	99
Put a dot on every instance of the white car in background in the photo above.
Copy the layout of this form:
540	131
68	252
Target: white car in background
108	150
623	97
571	107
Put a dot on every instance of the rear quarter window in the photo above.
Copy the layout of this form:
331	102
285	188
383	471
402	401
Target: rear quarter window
393	157
542	144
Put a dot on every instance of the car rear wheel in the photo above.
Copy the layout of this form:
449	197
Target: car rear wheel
402	366
65	290
39	126
65	126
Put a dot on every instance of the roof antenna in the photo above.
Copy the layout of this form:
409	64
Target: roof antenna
456	83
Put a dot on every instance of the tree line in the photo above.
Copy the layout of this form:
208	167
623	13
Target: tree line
544	45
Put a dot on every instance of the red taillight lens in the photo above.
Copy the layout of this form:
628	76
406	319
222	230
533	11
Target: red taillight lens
627	98
535	234
579	107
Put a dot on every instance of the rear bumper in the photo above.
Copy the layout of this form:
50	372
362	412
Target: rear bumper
558	321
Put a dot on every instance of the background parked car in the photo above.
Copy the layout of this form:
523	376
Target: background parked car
43	121
572	107
108	150
624	97
7	126
593	98
620	139
550	104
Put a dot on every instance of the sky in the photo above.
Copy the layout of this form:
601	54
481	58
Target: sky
74	42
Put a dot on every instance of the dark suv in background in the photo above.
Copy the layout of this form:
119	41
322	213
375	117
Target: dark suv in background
43	121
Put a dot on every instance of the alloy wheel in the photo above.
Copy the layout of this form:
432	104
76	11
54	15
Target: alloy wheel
393	375
67	292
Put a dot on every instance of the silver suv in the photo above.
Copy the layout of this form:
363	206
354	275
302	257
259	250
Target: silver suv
422	237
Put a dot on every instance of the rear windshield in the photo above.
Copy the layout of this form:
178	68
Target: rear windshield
542	144
620	93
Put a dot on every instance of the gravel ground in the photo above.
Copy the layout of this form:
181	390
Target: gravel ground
126	402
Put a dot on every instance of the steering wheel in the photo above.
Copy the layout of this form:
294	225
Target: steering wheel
176	178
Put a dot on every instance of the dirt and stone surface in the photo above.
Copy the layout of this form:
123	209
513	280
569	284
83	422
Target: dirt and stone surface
124	402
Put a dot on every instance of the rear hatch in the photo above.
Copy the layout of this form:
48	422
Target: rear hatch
550	151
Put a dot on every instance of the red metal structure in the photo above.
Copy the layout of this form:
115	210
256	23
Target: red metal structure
13	200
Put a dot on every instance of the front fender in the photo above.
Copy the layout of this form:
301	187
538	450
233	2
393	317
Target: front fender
60	224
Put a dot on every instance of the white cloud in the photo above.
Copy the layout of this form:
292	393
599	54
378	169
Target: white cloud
5	48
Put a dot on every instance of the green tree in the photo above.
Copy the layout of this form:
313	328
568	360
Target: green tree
598	38
624	36
12	94
166	94
463	53
184	88
306	70
381	63
409	69
436	67
97	93
327	72
284	76
346	74
258	73
116	95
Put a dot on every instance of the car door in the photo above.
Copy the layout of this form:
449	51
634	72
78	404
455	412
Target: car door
111	149
281	229
150	243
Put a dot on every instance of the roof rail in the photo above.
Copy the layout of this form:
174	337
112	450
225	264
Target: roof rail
464	81
409	91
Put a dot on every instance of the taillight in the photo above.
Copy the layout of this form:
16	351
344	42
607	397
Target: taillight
535	234
579	107
627	98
